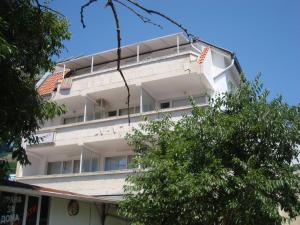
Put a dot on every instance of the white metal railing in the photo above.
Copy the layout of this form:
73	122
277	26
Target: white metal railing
133	60
174	105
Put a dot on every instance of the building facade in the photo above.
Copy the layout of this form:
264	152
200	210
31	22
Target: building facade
84	150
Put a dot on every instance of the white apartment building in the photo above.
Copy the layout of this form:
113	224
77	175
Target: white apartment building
84	151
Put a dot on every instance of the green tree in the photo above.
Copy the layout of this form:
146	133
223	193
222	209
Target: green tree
230	163
30	35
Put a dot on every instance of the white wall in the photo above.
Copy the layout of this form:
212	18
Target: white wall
37	167
88	214
296	222
111	220
98	183
218	62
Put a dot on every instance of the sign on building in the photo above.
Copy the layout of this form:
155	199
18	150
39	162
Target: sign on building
46	138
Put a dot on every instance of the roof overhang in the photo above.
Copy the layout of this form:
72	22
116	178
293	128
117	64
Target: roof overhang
127	51
27	189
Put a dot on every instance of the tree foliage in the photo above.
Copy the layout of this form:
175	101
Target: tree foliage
230	163
30	35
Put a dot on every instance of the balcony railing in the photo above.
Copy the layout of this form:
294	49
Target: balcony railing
157	55
96	183
93	111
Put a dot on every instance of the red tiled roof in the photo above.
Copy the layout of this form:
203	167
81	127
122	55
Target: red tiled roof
50	83
202	56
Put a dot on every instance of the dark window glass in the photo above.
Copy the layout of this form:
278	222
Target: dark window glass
67	167
112	113
129	162
54	168
32	210
115	163
76	166
11	208
44	211
165	105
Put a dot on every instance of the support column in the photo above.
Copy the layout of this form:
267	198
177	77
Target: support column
39	210
141	99
138	53
92	64
85	110
81	161
25	210
177	44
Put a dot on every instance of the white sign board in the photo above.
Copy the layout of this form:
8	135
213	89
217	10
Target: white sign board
45	138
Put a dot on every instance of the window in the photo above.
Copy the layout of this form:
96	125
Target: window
53	168
32	210
23	209
184	101
67	167
90	164
63	167
129	162
132	110
181	102
44	210
165	105
11	205
116	163
112	113
86	165
76	166
95	165
75	119
200	100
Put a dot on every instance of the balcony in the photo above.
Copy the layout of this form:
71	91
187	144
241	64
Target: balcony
161	65
97	183
88	147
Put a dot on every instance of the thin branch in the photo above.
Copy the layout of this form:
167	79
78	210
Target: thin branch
40	6
150	11
142	17
115	14
52	10
82	11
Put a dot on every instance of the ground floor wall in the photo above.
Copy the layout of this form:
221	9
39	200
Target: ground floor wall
21	208
59	215
295	222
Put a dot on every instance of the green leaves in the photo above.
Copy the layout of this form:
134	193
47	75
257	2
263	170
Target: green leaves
229	163
29	38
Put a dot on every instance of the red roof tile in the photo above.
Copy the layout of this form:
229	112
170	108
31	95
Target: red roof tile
50	83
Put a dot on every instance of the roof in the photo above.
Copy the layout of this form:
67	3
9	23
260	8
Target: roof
127	51
22	188
49	83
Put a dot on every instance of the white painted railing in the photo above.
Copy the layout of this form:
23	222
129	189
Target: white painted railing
95	183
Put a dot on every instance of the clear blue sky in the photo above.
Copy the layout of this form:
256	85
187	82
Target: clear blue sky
265	34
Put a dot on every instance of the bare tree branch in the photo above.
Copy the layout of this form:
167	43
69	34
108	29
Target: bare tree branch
145	19
115	14
40	6
82	11
150	11
142	17
52	10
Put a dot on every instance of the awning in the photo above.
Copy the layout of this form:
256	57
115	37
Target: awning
127	51
22	188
